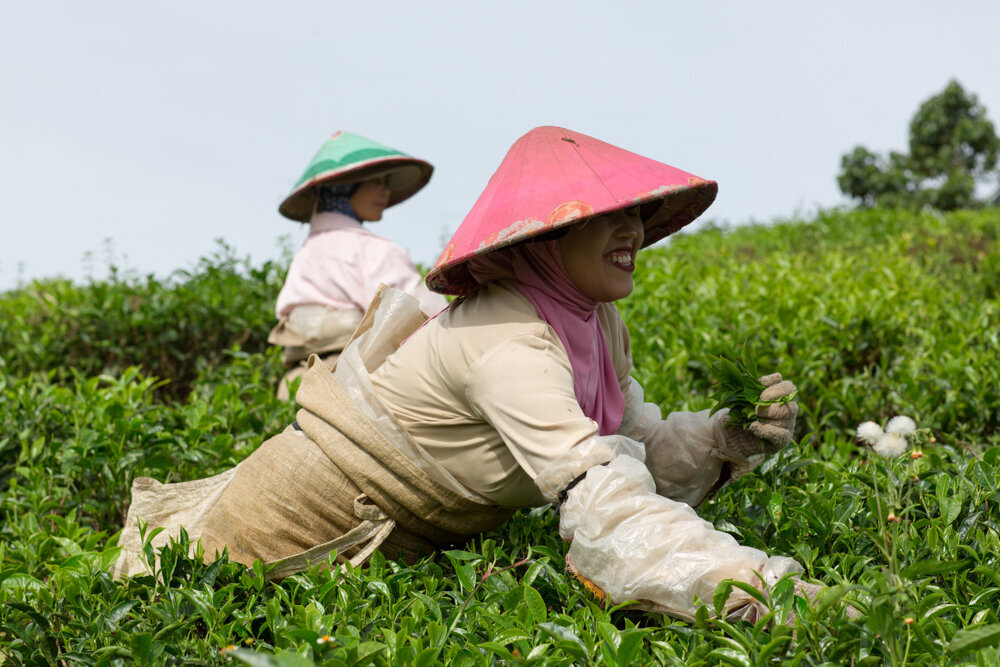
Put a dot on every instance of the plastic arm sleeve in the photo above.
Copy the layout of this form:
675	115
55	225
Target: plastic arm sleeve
678	448
594	451
637	545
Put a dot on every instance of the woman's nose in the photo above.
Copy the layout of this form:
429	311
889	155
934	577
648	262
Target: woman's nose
629	228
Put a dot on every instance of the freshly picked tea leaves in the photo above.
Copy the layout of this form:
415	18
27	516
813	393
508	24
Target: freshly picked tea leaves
739	387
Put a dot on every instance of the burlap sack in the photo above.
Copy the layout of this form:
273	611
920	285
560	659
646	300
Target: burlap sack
300	492
417	502
298	349
299	370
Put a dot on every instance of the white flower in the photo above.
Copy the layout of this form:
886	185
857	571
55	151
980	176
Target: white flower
902	425
869	432
890	445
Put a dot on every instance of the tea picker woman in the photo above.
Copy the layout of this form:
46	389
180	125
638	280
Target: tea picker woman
519	394
334	275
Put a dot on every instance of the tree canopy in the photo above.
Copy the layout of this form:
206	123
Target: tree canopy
953	146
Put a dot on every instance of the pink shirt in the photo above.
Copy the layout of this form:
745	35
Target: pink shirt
341	265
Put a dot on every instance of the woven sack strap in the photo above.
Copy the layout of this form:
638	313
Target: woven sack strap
372	532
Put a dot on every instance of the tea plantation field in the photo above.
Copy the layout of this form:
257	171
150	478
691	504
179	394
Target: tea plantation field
873	314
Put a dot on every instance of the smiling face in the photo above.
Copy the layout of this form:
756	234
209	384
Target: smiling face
599	254
370	199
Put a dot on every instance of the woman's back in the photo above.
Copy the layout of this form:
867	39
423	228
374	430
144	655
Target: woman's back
486	388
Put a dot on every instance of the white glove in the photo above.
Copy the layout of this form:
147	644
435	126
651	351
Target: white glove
745	448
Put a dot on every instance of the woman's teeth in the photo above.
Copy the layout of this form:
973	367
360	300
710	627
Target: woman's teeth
622	259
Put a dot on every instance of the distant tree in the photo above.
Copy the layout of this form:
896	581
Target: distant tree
953	146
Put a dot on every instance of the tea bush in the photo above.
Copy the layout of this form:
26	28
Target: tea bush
872	314
170	329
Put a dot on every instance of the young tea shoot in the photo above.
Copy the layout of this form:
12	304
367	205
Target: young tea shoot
738	387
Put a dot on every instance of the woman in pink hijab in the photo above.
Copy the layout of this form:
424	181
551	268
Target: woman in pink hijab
517	395
522	388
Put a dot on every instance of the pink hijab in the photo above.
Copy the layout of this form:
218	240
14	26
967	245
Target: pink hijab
537	271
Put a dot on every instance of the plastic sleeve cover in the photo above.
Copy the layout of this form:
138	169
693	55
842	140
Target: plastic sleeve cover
637	545
678	448
594	451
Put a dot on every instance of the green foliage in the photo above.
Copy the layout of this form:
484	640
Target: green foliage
873	180
171	329
870	313
953	146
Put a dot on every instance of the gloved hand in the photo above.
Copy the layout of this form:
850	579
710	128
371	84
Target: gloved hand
771	431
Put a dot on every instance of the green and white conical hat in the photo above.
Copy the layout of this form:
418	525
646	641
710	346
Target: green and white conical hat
350	158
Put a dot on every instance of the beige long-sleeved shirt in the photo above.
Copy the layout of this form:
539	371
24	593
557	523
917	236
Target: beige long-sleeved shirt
487	390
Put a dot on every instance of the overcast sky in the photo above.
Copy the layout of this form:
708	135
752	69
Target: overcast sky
140	132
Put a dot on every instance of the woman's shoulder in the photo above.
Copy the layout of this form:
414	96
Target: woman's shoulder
494	323
498	331
498	303
494	316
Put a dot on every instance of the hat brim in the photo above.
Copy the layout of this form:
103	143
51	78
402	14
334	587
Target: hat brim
663	212
405	177
677	209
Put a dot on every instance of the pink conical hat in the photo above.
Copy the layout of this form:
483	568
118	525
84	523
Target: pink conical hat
553	177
